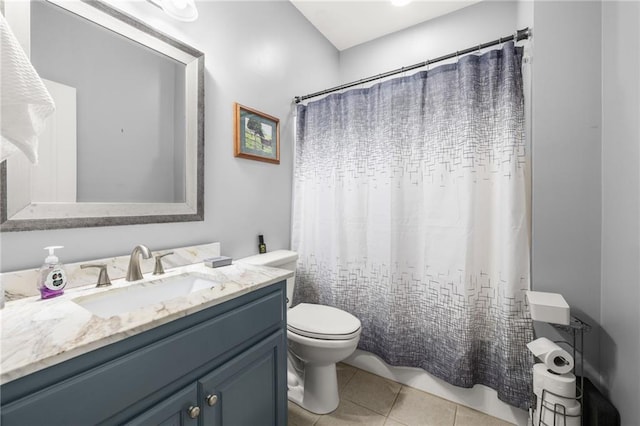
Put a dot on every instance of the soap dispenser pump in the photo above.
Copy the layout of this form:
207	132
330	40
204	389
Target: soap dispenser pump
52	278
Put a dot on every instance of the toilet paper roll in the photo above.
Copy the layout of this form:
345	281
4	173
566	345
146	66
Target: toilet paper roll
562	385
553	356
554	415
538	379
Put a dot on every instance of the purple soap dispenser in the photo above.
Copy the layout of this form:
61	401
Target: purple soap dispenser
52	278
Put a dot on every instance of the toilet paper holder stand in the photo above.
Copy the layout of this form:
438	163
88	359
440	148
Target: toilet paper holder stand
576	328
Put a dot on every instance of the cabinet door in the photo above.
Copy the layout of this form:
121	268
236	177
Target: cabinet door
180	409
250	389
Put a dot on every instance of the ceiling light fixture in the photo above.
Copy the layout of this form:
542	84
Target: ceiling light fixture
182	10
400	3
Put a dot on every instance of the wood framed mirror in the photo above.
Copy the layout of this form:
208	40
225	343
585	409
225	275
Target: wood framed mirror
126	143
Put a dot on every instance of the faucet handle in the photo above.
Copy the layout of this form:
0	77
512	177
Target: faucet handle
159	269
103	277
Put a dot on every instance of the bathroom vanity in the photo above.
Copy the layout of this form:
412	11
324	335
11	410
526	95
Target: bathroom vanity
216	357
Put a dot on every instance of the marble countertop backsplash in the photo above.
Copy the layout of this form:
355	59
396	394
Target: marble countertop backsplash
39	333
19	284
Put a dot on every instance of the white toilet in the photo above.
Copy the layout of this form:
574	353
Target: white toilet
319	336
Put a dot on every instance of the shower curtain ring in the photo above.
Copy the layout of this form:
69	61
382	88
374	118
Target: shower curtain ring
515	37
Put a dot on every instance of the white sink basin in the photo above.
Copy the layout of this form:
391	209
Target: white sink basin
122	300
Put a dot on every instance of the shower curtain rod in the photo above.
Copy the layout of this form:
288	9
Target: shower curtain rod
522	34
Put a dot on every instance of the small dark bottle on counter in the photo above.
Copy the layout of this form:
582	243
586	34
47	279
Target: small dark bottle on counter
262	247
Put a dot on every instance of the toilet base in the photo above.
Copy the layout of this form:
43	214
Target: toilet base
322	396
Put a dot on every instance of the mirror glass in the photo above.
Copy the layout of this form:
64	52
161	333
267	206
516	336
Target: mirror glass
125	143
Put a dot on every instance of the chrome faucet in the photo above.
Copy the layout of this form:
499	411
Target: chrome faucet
134	273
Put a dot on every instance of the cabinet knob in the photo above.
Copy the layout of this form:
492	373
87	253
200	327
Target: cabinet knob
212	400
193	412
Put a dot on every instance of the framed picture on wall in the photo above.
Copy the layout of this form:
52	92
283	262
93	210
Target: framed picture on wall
257	135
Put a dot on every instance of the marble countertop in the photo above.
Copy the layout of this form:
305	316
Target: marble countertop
40	333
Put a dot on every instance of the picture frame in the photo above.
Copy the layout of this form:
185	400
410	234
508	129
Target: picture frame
256	134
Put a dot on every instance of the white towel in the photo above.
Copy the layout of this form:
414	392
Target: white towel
25	101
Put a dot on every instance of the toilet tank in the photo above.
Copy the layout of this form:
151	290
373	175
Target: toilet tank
283	259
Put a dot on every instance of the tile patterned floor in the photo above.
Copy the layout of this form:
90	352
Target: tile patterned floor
367	399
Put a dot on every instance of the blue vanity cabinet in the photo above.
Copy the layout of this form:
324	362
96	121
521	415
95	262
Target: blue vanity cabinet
223	366
240	392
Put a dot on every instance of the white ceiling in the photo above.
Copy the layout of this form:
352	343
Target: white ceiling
347	23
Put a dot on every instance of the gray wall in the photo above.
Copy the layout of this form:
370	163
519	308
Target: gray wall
461	29
259	54
620	315
566	159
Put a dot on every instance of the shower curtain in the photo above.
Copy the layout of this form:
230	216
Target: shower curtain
411	211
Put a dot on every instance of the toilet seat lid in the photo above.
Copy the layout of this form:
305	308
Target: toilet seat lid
322	322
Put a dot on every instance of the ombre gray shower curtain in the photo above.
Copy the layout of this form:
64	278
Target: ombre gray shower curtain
411	212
